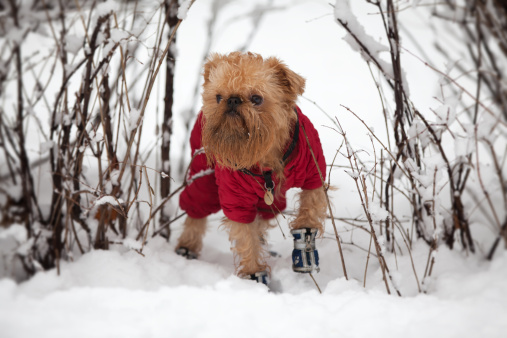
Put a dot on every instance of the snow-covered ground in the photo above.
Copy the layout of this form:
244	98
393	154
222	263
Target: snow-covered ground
120	293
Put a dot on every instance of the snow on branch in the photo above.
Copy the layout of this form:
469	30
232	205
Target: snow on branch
359	40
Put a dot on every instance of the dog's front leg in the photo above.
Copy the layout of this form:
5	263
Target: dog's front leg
247	245
308	224
312	210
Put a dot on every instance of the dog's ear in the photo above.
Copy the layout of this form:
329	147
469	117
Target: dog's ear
211	63
292	83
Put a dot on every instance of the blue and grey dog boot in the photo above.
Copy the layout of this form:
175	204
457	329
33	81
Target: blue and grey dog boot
305	258
260	277
182	251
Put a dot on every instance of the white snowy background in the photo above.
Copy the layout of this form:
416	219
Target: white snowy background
119	293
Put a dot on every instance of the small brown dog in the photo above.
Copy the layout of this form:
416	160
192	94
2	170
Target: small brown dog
250	144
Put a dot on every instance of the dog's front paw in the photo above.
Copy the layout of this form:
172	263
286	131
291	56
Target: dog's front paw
305	257
182	251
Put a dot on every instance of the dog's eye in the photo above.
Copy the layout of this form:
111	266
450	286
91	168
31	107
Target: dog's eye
256	100
219	98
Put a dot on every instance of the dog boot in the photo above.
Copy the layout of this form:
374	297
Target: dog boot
182	251
260	277
305	258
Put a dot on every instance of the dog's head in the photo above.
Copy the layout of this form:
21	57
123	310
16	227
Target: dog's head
248	105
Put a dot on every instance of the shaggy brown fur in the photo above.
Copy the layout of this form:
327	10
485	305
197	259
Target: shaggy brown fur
251	134
257	134
312	210
247	244
193	232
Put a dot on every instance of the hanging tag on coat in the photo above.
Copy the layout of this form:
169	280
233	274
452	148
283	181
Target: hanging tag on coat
268	197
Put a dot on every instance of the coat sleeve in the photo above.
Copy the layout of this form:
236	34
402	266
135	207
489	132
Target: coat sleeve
200	197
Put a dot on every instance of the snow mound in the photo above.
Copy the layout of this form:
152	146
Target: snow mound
123	294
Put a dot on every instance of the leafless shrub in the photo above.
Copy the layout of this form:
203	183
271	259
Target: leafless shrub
443	185
83	98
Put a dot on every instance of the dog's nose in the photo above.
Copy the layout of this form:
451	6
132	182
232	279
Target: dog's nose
233	102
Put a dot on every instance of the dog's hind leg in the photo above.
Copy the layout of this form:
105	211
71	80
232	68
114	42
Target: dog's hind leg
190	241
247	246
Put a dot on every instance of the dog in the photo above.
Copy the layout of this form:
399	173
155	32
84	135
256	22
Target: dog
250	144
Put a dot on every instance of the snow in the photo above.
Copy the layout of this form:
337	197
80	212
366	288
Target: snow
199	174
377	213
166	138
73	43
117	35
108	199
106	7
131	243
15	35
107	48
46	146
134	118
121	293
370	48
183	9
463	146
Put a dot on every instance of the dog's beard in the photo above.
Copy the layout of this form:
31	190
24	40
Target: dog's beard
236	140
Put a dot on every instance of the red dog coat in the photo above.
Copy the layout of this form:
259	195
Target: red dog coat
240	195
